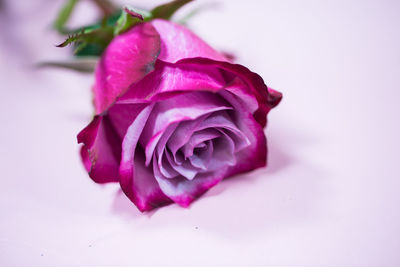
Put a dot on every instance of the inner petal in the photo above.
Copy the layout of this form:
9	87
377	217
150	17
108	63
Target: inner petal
224	153
185	169
240	141
188	106
170	112
165	166
183	133
221	119
197	140
201	160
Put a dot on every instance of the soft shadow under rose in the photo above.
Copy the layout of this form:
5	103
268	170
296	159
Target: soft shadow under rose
174	117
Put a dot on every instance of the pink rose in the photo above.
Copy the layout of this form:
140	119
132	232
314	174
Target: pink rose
174	116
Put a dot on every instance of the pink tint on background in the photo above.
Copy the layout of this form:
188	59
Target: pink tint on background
330	196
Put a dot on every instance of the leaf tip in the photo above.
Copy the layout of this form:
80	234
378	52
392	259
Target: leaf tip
133	13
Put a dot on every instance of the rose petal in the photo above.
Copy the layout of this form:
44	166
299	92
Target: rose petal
195	74
101	150
86	158
161	146
127	59
183	133
224	153
185	169
240	140
165	166
183	191
222	120
122	116
198	138
255	154
178	42
160	158
146	190
187	106
136	180
203	159
170	79
267	99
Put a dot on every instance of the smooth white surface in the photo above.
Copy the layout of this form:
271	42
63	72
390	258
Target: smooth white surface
330	196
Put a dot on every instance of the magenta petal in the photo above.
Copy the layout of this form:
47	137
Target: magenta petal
122	116
161	146
86	159
137	181
146	191
202	160
165	166
205	74
185	169
178	42
183	191
255	86
183	133
101	150
274	97
198	138
222	120
255	154
224	153
174	79
240	89
159	157
127	59
187	106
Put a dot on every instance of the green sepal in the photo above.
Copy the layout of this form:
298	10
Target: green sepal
86	49
93	39
103	33
98	38
130	17
166	11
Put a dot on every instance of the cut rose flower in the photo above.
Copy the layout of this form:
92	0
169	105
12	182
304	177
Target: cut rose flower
174	116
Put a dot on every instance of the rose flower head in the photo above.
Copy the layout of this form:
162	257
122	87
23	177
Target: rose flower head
173	116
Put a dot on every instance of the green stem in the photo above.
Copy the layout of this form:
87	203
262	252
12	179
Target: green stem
106	6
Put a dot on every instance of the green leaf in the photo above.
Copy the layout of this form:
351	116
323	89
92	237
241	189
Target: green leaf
129	17
85	50
92	40
99	37
85	65
166	11
64	15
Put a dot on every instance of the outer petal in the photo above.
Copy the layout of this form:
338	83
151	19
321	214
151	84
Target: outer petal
183	191
122	116
127	59
255	86
178	42
171	79
101	150
203	74
255	154
136	180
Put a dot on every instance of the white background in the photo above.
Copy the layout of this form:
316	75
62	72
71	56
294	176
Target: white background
329	197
